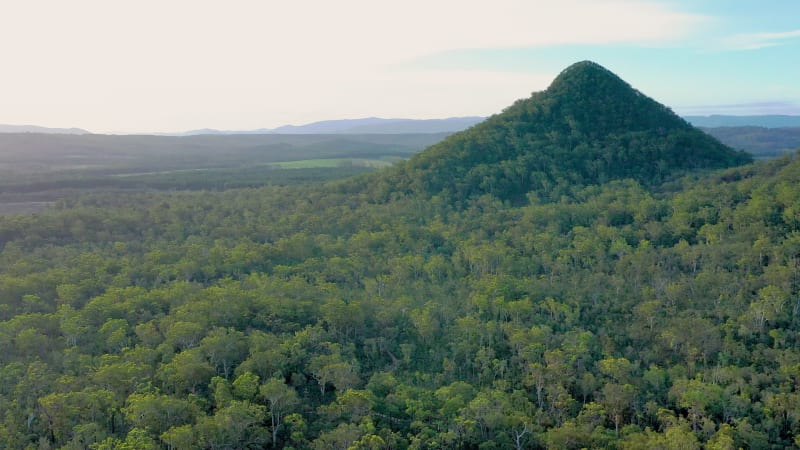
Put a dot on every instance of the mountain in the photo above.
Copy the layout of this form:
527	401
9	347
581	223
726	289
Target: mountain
376	125
370	125
215	132
588	127
391	126
331	126
766	121
37	129
395	126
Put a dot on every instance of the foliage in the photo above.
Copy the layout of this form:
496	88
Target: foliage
617	315
588	127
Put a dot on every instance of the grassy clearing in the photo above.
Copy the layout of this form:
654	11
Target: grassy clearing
160	172
333	162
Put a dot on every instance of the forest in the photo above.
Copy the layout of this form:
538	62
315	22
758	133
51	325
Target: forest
36	170
543	280
759	141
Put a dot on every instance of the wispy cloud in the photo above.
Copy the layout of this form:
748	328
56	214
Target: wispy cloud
204	62
755	41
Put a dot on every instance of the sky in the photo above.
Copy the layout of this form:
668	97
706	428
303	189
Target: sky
113	66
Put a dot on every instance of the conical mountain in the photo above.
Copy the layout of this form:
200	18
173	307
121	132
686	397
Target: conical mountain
588	127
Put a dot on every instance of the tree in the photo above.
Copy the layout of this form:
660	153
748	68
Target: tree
73	325
119	375
179	437
245	386
183	335
680	437
340	438
61	414
351	405
157	413
186	372
767	307
699	398
224	348
618	369
115	332
238	425
281	400
136	439
723	439
617	399
498	413
332	369
222	393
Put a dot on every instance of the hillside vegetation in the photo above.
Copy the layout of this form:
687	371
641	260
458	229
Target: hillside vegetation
409	309
589	126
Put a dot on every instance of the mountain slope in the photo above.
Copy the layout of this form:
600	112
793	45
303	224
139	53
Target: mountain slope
588	127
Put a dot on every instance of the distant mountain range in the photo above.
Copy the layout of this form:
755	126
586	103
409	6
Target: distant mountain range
766	121
376	125
370	125
37	129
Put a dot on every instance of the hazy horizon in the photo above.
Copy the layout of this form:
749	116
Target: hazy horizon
31	128
169	67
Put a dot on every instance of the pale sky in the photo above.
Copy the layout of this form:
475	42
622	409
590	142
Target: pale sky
114	66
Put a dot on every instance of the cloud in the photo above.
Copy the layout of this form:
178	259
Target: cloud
278	36
93	62
755	41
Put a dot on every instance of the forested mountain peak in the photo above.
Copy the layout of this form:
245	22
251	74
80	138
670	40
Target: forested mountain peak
588	127
583	75
592	100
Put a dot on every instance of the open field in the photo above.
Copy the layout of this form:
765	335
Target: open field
334	163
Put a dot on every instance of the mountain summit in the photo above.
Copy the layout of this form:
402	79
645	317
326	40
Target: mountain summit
588	127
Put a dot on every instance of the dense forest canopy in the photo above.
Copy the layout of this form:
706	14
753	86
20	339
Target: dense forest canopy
606	310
